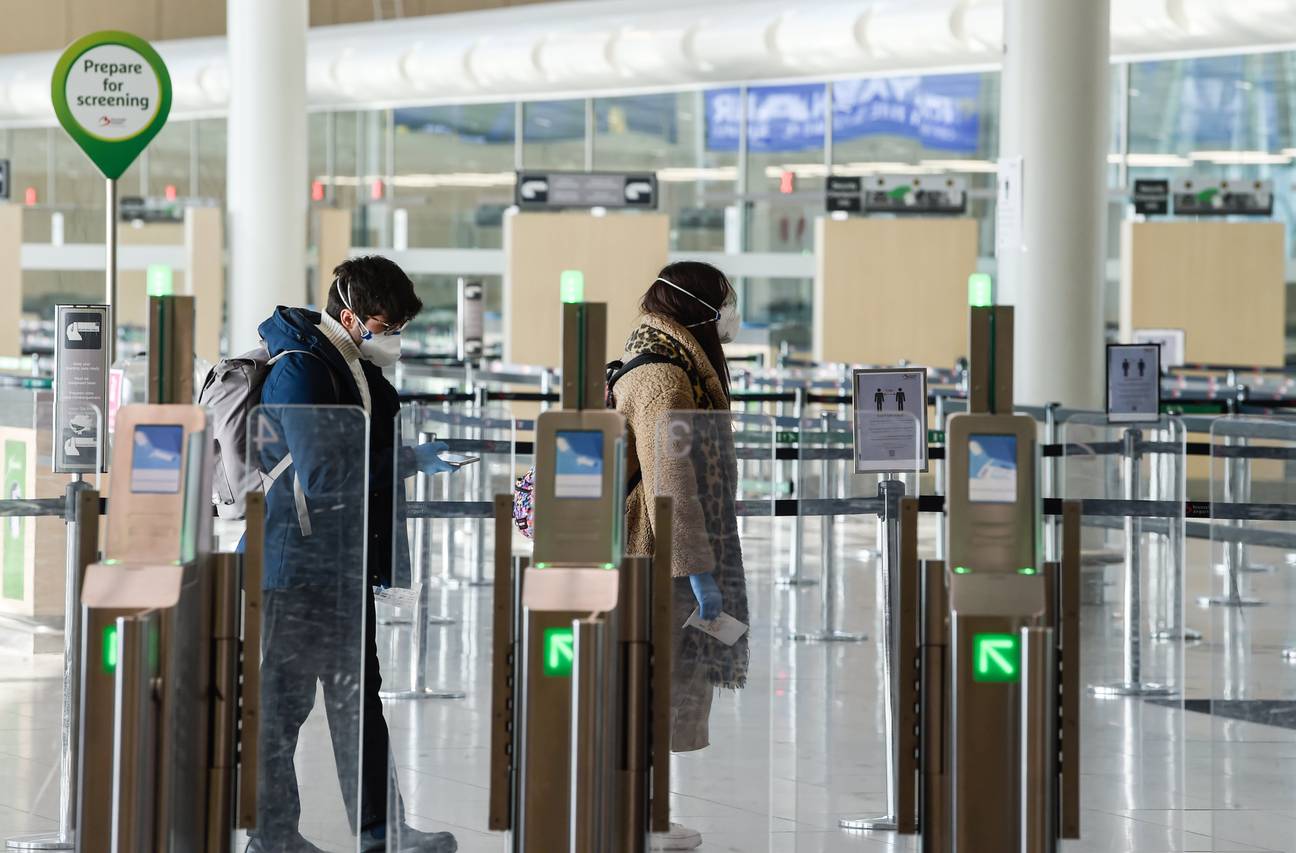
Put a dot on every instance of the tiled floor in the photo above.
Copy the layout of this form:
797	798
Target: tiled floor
801	746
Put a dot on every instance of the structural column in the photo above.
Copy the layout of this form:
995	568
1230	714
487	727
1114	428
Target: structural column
266	168
1054	116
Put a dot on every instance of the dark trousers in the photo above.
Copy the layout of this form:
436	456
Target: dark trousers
310	636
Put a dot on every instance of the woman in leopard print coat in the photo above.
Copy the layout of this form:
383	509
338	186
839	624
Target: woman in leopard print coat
678	433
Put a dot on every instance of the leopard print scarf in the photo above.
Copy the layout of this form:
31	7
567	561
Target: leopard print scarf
712	451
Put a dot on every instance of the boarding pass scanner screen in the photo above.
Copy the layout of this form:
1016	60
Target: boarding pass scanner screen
578	464
156	458
992	468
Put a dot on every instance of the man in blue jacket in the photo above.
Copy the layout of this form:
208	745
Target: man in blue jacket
330	539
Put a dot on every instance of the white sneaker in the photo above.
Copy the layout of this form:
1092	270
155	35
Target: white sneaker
679	838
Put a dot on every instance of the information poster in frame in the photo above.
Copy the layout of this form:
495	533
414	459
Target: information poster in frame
889	416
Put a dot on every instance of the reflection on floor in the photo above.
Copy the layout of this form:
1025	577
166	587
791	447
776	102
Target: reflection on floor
801	746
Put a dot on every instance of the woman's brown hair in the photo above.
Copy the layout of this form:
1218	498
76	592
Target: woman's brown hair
706	283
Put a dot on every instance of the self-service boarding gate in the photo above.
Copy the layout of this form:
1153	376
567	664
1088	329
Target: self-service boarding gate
581	703
988	640
165	698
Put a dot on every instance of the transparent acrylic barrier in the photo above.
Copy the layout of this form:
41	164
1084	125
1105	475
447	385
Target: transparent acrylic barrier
322	729
1246	579
718	468
1136	762
38	588
836	719
435	628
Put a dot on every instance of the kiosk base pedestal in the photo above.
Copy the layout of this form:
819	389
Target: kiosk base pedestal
1127	688
863	824
44	841
828	637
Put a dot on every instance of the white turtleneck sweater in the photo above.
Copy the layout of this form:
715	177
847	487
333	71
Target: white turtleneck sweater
346	345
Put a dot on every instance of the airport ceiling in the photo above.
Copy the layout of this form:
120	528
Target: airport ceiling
610	47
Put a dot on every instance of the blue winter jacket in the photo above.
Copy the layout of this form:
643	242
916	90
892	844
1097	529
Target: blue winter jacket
316	509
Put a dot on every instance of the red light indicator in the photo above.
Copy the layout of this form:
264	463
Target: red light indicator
170	192
787	182
29	196
317	190
376	189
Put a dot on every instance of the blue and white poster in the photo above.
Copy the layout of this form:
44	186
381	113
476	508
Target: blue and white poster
939	112
155	461
992	469
578	464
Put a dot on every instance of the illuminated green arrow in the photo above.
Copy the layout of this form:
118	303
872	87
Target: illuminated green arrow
559	648
996	657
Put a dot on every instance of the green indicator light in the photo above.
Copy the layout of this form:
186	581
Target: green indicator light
996	657
559	648
962	570
980	290
1027	570
571	286
110	649
542	565
159	280
609	565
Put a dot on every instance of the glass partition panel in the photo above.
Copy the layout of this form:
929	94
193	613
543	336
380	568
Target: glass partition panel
436	623
322	728
838	712
1135	748
718	468
1252	694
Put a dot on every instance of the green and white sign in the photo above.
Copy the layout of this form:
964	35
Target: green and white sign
559	650
112	94
996	657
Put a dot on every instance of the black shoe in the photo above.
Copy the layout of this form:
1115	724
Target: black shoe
408	840
293	844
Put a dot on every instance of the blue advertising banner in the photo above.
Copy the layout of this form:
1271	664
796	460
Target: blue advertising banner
940	112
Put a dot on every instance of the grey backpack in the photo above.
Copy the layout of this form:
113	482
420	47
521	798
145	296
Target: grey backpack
230	392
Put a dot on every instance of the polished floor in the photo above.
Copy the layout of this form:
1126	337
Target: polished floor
801	747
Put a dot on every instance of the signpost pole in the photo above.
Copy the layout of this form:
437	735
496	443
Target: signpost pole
110	267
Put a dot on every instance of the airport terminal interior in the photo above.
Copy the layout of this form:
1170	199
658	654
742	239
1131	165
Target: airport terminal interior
604	426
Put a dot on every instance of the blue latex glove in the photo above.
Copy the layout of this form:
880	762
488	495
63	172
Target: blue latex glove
428	457
710	601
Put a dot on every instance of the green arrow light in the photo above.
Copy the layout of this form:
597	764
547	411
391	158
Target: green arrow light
559	649
995	657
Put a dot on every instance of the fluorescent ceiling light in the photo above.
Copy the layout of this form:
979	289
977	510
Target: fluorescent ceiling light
970	166
1242	158
425	181
801	170
690	174
883	167
1149	160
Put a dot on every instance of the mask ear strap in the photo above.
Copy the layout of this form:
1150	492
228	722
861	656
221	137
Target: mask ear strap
715	319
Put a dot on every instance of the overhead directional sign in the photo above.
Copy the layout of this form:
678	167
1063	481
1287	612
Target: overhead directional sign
1152	197
996	657
1194	197
559	650
943	194
557	190
112	94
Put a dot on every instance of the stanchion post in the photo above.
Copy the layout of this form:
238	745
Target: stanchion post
1051	484
481	480
795	577
1131	683
938	474
1234	554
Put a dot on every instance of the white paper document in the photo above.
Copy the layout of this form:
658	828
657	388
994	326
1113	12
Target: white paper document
724	627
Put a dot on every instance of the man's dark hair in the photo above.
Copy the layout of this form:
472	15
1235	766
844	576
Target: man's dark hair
375	287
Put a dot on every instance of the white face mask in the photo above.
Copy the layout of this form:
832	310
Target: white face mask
383	349
729	322
726	317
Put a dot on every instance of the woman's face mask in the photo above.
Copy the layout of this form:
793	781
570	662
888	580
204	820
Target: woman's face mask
726	316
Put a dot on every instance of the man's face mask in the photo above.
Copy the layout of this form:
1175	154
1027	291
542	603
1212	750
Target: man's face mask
382	348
